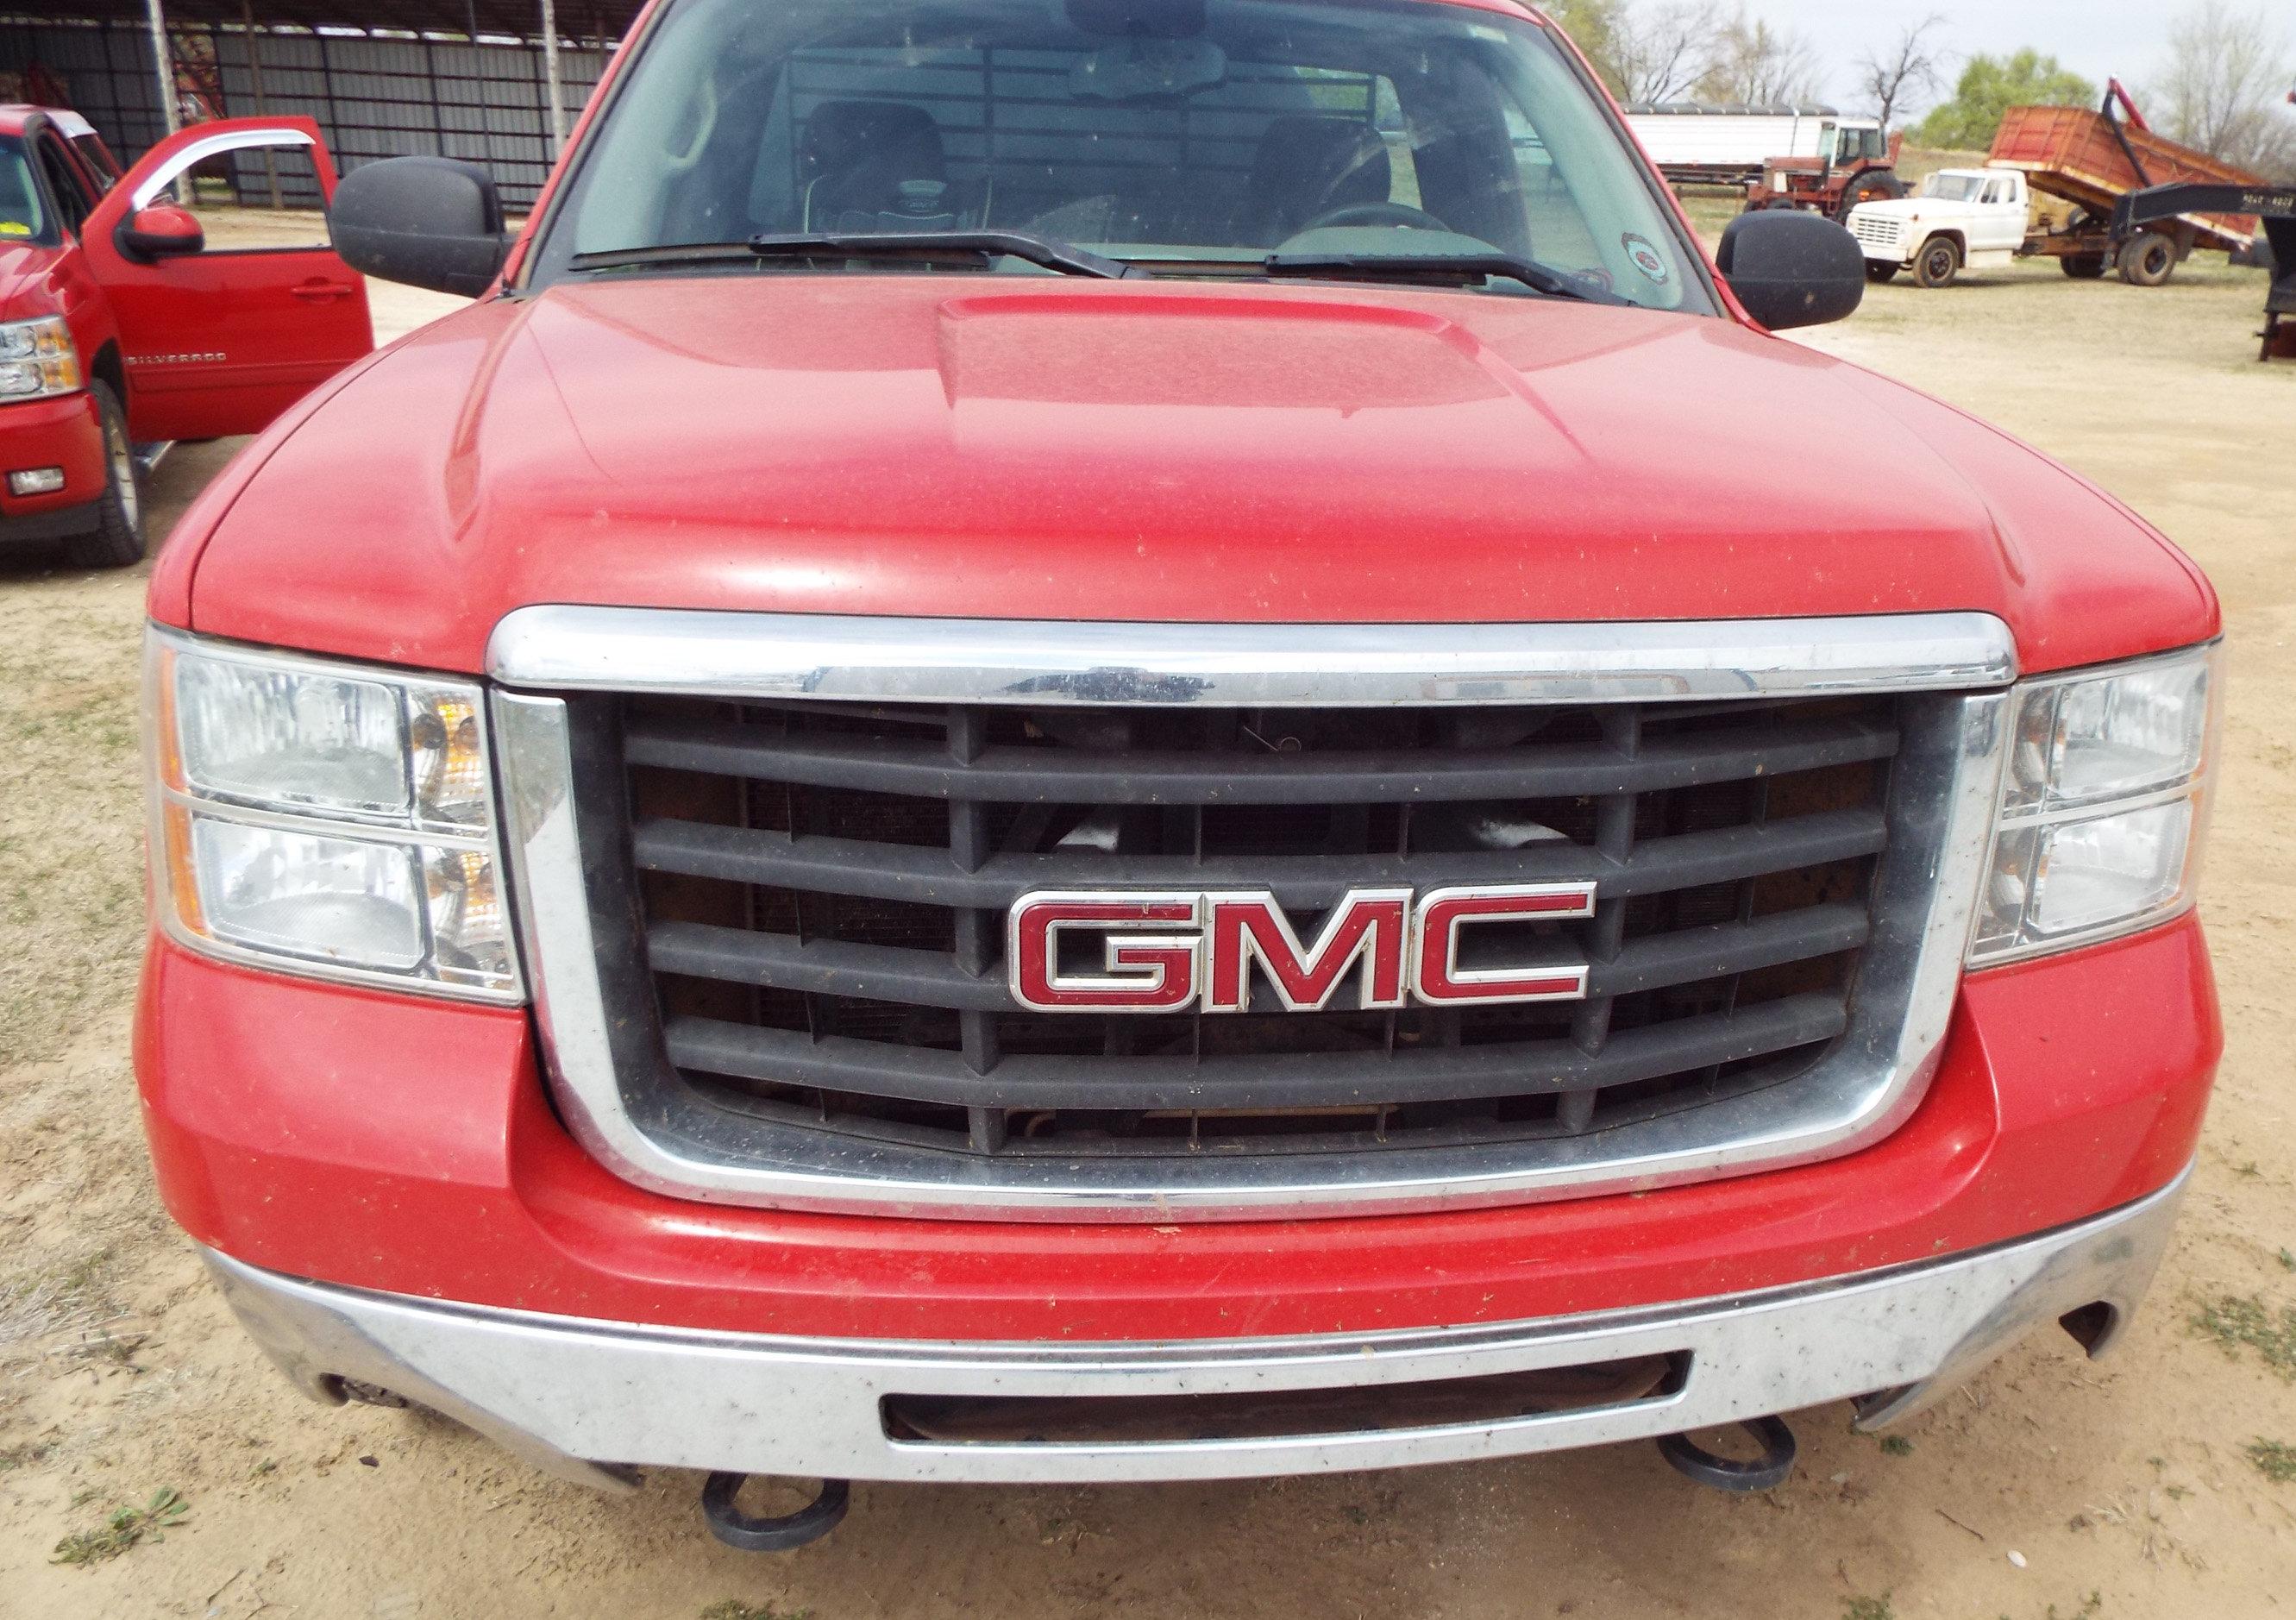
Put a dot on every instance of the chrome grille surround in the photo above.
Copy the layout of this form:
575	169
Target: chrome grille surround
647	1124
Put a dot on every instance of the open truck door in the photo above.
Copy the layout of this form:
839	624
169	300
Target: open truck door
220	341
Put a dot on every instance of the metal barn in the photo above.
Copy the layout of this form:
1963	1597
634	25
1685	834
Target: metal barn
497	82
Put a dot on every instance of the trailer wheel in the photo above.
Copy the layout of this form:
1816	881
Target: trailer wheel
1938	263
2082	266
1877	272
2148	259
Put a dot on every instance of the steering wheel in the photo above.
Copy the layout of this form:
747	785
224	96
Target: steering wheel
1374	213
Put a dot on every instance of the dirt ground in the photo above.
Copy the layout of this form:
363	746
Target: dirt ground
2052	1488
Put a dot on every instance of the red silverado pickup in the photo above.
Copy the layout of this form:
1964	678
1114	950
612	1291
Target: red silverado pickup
121	327
1096	740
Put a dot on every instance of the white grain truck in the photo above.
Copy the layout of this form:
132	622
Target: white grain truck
1700	145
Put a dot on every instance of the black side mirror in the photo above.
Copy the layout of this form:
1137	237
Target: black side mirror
1790	268
429	222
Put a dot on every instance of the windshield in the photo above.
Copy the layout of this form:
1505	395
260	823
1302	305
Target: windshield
1193	136
1953	188
1855	144
22	217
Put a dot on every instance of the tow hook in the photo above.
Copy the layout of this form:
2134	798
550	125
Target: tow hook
1694	1462
785	1534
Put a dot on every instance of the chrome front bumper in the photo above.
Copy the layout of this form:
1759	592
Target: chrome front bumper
570	1394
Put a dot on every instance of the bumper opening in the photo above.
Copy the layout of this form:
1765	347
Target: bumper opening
1281	1414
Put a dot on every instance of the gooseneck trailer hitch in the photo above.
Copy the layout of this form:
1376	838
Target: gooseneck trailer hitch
2274	206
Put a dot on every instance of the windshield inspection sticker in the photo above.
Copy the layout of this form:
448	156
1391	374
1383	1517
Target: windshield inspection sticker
1647	258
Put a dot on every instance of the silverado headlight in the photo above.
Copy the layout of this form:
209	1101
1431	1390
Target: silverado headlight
2103	805
325	817
37	358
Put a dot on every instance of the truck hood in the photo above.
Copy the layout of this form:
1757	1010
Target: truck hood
1914	207
24	271
1018	448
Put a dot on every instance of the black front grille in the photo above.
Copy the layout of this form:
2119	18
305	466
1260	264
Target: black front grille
823	888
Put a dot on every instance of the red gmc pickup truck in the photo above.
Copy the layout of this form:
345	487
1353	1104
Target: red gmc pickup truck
1097	740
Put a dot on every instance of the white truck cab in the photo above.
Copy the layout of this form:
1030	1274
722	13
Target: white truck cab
1960	219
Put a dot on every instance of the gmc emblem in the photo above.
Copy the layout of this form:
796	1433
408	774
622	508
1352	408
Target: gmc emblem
1166	952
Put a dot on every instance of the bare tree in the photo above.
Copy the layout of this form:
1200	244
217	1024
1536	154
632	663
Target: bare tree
1758	65
2228	68
1593	26
1663	52
1908	69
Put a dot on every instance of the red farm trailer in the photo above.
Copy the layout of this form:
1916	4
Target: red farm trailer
2093	160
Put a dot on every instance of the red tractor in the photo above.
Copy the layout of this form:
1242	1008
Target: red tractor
1858	165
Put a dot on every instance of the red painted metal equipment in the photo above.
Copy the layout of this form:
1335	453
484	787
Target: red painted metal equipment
2092	160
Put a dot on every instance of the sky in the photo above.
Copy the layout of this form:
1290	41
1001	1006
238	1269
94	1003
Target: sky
2099	39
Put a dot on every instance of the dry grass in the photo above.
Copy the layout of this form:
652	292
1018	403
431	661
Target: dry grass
72	905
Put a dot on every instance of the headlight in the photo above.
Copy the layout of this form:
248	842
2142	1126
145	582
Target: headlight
325	818
2102	806
37	358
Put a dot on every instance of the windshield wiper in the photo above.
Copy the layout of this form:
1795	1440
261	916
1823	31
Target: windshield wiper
1398	267
984	245
972	247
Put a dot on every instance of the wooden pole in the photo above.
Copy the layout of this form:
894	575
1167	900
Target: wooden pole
164	60
549	72
262	105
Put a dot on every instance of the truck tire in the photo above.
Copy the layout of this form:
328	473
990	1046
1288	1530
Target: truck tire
117	540
1938	262
2083	266
1874	185
2148	259
1877	272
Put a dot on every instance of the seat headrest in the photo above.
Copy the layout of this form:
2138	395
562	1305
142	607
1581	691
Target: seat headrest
891	136
1310	166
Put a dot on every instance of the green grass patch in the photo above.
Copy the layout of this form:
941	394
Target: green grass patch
2233	1322
126	1528
1868	1609
2276	1460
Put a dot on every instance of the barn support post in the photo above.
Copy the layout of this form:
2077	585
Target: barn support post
550	73
438	107
163	61
255	81
332	126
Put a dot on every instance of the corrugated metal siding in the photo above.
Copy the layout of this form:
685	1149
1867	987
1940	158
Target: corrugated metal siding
484	103
107	70
384	98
